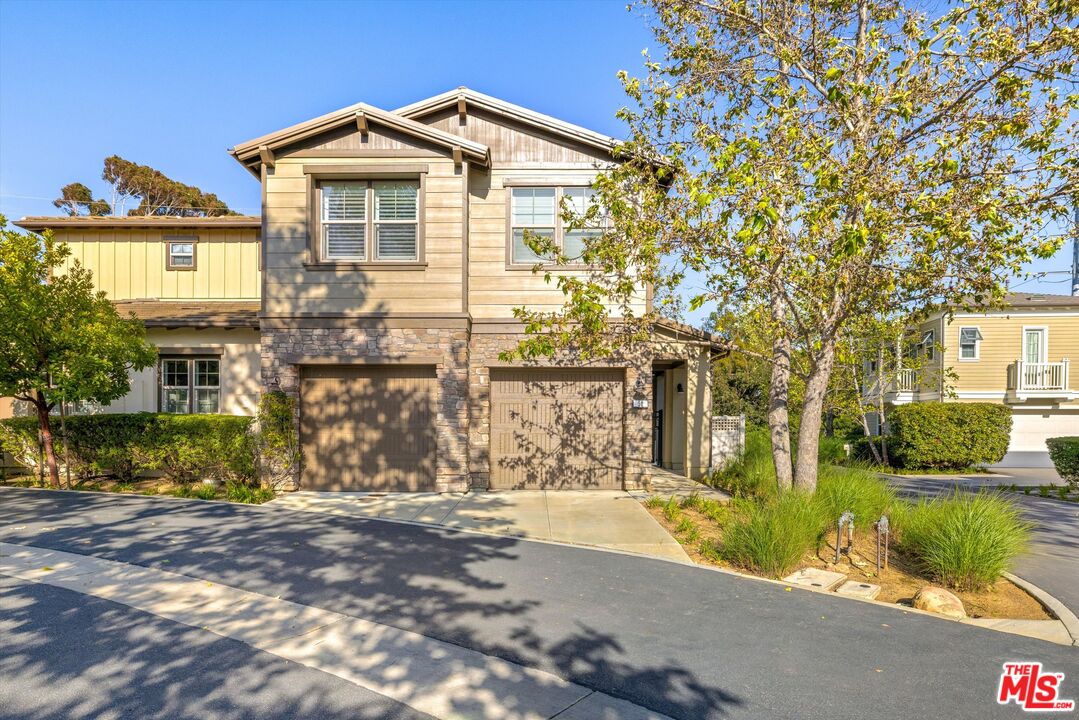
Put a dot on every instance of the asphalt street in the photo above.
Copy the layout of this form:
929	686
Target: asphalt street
689	642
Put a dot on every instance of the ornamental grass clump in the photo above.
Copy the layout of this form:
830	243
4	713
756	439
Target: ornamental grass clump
965	541
771	537
859	491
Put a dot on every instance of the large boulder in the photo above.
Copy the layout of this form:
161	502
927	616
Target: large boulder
938	600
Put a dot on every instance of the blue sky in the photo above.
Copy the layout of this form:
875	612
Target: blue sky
174	85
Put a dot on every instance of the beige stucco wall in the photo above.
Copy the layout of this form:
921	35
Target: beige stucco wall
240	369
129	263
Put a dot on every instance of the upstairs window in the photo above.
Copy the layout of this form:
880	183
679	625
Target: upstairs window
970	339
180	254
539	210
929	344
533	209
190	385
370	220
344	221
396	220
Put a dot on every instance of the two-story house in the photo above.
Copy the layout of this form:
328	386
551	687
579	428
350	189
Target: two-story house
1020	354
378	288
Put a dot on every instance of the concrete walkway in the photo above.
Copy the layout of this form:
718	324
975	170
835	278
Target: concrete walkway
435	677
610	519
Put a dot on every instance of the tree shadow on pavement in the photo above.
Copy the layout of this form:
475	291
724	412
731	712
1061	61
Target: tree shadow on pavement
455	587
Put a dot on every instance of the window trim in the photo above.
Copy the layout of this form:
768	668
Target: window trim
190	358
316	174
928	344
1044	329
192	240
559	185
977	344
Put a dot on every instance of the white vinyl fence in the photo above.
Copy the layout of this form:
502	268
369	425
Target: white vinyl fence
728	439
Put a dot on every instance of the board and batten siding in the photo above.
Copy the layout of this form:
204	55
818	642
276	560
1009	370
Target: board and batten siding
292	288
1002	345
129	263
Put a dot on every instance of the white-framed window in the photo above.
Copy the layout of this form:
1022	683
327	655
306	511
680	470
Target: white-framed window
970	340
180	254
1035	344
343	215
539	210
396	220
533	209
190	385
370	220
929	344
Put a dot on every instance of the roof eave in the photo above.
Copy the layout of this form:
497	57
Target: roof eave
247	151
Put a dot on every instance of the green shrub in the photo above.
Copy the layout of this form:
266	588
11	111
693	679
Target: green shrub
193	447
964	541
948	435
1064	452
125	445
832	450
859	491
754	474
246	493
277	442
202	491
771	537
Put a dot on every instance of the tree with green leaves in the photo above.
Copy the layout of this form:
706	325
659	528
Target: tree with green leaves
60	341
156	193
832	161
77	199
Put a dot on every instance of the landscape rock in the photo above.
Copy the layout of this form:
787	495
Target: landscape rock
939	600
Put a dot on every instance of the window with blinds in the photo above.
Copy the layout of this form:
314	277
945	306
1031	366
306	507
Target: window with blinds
344	220
348	228
396	220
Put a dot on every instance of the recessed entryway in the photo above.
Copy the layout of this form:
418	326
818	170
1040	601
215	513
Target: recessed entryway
368	427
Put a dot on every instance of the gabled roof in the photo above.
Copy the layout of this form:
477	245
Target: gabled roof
493	105
245	152
40	222
1037	300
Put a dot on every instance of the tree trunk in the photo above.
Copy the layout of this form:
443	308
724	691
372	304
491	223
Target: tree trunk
805	465
46	439
67	452
881	426
778	399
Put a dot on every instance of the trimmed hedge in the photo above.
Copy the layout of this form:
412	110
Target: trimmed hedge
1064	452
948	435
125	445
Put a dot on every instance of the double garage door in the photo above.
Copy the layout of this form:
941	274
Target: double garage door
372	428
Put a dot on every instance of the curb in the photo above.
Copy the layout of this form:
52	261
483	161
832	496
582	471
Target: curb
1052	604
1055	606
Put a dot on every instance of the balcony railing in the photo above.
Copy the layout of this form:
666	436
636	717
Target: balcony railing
905	381
1038	377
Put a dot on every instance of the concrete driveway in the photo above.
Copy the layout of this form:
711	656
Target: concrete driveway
611	519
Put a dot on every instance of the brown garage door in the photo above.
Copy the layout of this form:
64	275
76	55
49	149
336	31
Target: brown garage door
556	429
368	427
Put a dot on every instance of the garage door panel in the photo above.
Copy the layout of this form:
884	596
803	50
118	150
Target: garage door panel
556	429
368	427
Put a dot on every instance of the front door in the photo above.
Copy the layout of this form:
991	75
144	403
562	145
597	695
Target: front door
1034	345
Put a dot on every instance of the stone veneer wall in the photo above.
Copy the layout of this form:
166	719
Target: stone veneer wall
484	348
396	344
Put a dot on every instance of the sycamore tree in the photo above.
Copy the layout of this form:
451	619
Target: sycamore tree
60	341
831	161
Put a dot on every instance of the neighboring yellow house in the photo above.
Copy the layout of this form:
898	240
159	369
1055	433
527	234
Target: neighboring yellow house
377	288
1020	355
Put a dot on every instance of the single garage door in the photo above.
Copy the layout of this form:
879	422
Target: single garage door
556	429
368	428
1030	428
